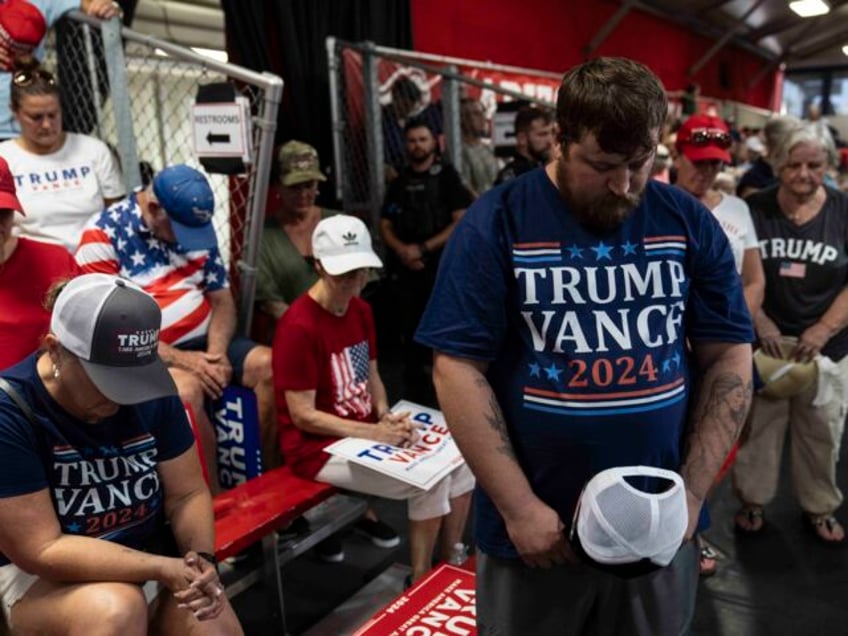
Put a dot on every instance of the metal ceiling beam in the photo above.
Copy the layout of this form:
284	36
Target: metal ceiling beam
713	6
607	28
774	27
822	45
723	40
825	34
701	28
786	22
787	53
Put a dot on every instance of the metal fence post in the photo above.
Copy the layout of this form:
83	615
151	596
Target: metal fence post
159	117
335	113
266	121
374	136
113	51
91	58
451	115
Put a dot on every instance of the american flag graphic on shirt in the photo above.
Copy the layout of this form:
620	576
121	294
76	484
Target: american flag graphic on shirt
117	241
350	379
792	269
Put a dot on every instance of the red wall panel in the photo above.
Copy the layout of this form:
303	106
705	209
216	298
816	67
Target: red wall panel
551	34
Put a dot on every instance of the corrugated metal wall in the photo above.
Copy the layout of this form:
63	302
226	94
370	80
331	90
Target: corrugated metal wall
189	22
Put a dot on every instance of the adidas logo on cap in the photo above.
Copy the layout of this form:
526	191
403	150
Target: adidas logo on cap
342	244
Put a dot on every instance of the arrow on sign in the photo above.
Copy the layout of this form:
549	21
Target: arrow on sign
217	139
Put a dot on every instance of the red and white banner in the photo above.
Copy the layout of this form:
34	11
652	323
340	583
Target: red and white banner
441	604
535	87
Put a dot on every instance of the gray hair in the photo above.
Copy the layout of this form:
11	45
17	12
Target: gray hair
810	133
777	128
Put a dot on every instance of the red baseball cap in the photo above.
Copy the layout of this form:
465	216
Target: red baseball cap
22	27
704	137
8	193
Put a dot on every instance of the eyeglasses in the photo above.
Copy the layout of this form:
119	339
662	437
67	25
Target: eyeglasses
707	136
25	78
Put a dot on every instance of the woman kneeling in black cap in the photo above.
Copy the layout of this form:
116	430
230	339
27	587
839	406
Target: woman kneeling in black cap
95	456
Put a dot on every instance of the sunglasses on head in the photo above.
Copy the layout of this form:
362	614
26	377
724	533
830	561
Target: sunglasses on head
25	78
707	136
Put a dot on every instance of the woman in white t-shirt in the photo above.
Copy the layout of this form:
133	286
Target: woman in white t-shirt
62	178
702	144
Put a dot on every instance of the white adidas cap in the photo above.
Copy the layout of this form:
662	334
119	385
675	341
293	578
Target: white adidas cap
617	524
342	243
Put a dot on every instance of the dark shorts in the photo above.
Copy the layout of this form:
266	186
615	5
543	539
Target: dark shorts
236	352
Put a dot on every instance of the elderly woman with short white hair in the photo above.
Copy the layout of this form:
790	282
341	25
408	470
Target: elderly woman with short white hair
802	226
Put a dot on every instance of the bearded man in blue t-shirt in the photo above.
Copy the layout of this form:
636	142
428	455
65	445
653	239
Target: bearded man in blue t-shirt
575	310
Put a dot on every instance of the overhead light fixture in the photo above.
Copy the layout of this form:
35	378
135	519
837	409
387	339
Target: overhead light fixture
845	49
809	8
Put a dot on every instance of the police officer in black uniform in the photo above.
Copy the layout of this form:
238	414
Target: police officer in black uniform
420	210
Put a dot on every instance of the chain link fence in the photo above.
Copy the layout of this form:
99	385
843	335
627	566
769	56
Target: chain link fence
136	93
366	80
368	84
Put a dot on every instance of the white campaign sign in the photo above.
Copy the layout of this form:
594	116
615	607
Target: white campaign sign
221	129
423	464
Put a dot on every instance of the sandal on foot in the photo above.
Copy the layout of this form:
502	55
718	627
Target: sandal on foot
824	528
708	562
753	517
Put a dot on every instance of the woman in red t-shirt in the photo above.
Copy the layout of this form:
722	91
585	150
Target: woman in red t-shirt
328	386
27	270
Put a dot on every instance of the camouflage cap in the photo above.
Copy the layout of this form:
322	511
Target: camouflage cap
299	163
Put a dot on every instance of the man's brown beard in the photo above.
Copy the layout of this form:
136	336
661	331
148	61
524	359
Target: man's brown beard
603	215
417	161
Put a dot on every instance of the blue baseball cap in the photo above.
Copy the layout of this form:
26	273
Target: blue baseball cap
184	193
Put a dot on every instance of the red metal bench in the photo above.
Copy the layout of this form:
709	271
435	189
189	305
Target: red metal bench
258	507
253	511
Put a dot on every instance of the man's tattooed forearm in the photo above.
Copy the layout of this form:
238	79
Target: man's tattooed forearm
720	415
494	416
726	398
729	400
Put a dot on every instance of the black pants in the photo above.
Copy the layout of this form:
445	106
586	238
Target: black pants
413	292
